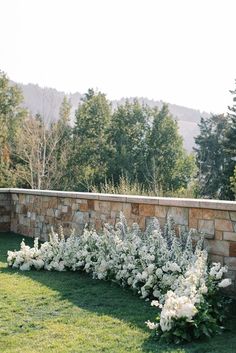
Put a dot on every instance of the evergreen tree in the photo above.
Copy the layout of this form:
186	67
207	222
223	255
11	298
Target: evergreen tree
11	115
89	158
168	167
213	161
230	135
127	135
230	140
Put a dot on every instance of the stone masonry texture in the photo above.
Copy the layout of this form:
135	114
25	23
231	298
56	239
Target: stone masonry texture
33	213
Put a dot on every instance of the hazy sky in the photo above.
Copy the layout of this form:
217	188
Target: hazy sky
180	51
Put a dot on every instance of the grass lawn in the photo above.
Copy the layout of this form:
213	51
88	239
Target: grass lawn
52	312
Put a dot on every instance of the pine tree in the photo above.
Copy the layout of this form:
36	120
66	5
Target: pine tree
213	161
168	167
89	159
127	135
230	140
11	115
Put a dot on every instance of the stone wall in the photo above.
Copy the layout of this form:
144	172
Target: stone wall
34	212
5	211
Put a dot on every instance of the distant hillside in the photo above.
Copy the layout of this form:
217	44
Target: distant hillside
47	101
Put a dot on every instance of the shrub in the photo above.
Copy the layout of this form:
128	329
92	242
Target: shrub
157	264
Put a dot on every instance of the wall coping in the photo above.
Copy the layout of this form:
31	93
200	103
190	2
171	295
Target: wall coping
162	201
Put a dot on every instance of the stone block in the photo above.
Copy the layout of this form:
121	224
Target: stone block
15	197
208	214
45	204
206	226
91	205
4	227
50	212
115	215
231	274
146	210
193	223
116	206
67	201
230	262
195	213
222	214
224	225
23	209
66	217
21	198
105	207
161	211
233	216
78	217
83	207
232	249
75	207
96	205
142	223
216	258
64	209
231	236
234	226
180	215
127	210
135	209
98	224
217	247
218	235
52	203
103	217
3	197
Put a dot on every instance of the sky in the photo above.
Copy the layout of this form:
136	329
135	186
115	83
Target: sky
178	51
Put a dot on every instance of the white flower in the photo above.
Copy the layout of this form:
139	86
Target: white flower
155	303
225	283
25	267
150	269
151	325
159	272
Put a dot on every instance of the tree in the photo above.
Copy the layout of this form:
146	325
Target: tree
90	149
213	161
11	115
230	140
127	135
43	151
168	167
230	133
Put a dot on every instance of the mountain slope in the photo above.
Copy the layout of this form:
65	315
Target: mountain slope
47	101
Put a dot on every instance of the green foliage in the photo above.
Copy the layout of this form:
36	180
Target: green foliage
168	167
90	150
11	114
214	163
230	135
127	136
233	183
135	142
127	187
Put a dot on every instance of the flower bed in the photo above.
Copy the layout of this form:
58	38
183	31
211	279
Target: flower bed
170	269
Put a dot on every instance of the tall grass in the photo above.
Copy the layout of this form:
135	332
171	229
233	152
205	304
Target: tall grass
127	187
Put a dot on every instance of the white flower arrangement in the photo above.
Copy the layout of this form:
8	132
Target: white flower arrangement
156	264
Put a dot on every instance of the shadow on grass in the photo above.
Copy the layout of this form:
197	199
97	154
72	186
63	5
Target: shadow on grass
106	298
